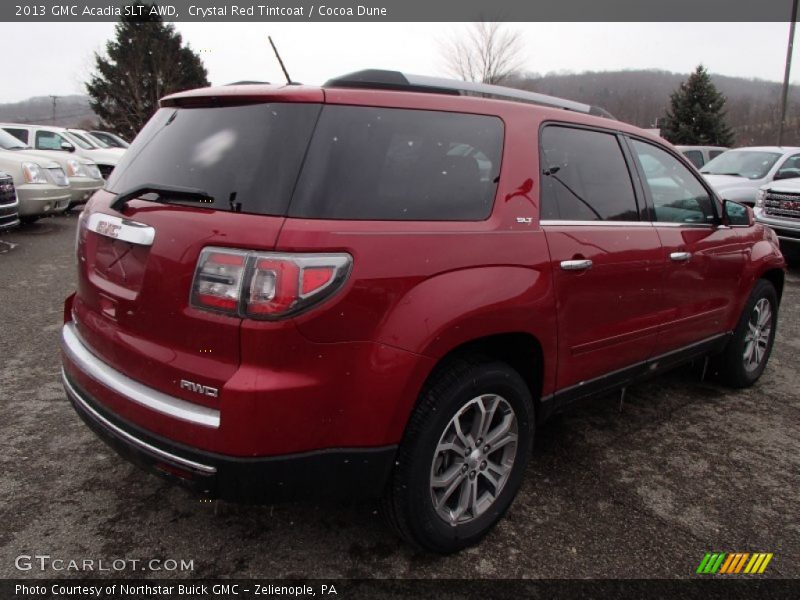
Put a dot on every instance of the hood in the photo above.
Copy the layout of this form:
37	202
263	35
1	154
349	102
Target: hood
48	157
108	156
789	186
727	182
17	157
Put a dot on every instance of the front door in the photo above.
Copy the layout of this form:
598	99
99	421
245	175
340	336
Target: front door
702	261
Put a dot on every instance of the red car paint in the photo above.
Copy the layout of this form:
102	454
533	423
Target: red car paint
347	373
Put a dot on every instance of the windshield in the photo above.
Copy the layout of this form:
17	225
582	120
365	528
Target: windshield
94	140
79	141
9	142
752	164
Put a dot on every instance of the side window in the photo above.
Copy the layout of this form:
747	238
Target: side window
695	157
714	153
584	177
20	134
678	197
47	140
790	168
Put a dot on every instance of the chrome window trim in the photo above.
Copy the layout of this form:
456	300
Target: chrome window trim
131	389
560	222
556	222
141	444
121	229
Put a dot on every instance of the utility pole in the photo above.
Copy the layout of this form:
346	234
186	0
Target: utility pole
54	98
786	73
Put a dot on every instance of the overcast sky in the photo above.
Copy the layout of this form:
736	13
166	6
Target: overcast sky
56	58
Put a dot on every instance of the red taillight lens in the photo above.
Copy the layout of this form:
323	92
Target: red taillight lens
218	279
266	285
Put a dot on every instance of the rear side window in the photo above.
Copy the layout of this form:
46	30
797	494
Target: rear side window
398	164
695	157
584	177
246	157
20	134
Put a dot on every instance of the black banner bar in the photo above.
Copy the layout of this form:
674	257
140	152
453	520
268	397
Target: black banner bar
711	588
406	10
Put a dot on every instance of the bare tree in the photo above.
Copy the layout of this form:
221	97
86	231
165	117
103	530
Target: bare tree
487	53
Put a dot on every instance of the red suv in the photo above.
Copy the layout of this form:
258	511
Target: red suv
380	286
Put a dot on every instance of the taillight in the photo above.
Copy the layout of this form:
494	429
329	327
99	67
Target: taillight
266	285
218	279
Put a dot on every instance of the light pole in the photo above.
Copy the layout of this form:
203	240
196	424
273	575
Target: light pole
786	73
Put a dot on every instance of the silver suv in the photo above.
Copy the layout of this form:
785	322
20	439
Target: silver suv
778	206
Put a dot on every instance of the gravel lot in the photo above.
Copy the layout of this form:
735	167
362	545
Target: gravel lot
686	467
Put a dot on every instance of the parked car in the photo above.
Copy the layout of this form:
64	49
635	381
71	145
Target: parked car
381	287
700	155
59	139
737	174
111	139
778	207
9	205
84	176
41	185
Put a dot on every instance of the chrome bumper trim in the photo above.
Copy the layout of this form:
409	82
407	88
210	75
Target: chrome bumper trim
140	444
130	389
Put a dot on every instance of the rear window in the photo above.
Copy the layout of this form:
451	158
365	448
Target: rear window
245	157
331	162
398	164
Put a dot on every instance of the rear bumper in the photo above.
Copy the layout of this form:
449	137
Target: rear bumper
336	472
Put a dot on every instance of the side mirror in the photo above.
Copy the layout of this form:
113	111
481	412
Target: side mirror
735	214
66	146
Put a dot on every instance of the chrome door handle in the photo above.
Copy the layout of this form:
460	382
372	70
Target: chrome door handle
576	265
680	256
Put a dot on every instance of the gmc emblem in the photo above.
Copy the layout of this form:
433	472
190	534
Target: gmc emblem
197	388
108	229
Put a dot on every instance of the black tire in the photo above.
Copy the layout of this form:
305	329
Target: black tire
28	219
732	366
408	503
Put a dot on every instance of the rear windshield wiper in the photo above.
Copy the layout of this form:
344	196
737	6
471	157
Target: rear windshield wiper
171	192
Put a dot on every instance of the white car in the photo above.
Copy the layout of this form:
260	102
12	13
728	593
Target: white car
60	139
84	176
42	187
738	174
778	207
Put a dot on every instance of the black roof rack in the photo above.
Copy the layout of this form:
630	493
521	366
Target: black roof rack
395	80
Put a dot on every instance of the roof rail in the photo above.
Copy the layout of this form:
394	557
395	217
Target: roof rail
395	80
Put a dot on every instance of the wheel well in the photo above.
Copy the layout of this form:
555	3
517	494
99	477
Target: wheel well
521	351
775	277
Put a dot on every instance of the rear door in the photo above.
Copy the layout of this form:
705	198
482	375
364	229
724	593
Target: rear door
702	261
606	260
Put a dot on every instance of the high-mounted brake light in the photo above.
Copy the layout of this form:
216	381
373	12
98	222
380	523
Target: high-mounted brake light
266	285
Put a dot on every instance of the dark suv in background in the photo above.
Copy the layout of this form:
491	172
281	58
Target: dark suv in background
381	286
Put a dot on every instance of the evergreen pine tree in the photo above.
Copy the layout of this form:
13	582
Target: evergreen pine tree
696	115
145	61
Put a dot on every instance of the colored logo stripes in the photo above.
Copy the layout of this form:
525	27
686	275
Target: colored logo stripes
734	562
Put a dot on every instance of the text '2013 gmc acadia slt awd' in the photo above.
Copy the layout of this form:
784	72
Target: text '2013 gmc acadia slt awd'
379	287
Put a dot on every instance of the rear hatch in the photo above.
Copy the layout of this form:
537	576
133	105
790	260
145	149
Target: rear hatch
137	261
